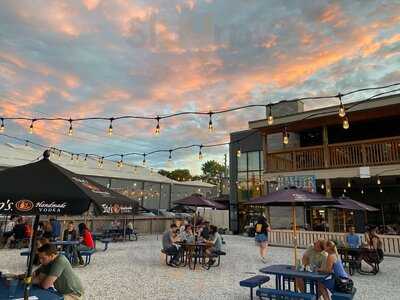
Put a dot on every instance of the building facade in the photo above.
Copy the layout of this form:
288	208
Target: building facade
361	162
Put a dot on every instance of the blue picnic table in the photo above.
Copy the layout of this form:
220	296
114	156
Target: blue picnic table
286	274
34	291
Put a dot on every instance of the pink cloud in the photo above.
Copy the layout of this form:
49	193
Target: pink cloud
13	59
91	4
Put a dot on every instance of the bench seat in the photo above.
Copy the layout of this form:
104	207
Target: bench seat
282	294
253	282
88	255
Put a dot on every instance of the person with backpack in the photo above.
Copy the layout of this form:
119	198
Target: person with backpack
262	230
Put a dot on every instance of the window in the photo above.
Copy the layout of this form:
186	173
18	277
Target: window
242	162
253	160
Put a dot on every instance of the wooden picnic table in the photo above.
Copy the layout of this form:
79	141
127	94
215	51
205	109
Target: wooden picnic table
193	253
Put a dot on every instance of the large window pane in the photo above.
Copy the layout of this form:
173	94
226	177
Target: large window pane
254	160
242	162
242	187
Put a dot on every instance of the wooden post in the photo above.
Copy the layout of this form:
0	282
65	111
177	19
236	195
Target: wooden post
294	233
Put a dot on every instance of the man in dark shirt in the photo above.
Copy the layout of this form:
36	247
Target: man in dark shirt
168	243
18	232
205	233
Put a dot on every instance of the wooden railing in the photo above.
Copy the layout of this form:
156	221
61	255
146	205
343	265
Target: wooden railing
353	154
390	243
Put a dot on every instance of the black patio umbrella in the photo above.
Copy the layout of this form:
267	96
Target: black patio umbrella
198	200
44	188
292	197
346	203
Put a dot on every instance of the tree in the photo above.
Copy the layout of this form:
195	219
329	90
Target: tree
164	173
212	170
180	175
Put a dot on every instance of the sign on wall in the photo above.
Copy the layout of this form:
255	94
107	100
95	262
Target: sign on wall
307	182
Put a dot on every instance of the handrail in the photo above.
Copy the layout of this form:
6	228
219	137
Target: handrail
335	144
283	237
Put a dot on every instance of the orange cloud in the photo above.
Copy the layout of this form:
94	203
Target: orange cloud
333	15
13	59
91	4
270	42
71	81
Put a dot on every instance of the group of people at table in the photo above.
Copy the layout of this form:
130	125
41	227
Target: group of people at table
55	271
175	239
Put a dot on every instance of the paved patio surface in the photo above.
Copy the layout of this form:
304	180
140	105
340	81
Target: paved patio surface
135	270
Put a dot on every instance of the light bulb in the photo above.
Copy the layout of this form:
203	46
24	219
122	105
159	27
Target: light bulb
238	153
380	190
70	130
2	127
342	111
110	129
270	120
286	140
210	123
322	186
200	155
31	127
346	124
362	191
157	131
344	191
378	181
349	184
144	160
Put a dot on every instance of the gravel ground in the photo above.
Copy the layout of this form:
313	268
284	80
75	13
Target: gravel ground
136	270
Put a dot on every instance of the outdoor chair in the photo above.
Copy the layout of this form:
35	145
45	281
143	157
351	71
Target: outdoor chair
218	255
88	255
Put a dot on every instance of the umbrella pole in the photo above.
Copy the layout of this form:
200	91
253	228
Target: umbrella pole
28	276
344	221
294	233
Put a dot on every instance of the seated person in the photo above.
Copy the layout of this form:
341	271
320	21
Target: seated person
18	232
86	240
55	228
187	234
168	243
39	244
216	241
375	242
205	233
47	230
315	257
352	239
56	271
70	234
333	266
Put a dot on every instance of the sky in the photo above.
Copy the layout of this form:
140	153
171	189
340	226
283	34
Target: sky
85	58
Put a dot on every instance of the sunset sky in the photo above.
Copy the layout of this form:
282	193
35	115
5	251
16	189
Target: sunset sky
83	58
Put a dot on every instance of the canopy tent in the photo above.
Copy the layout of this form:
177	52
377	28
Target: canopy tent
44	188
292	197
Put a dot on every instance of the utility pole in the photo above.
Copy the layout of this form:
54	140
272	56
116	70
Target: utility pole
226	166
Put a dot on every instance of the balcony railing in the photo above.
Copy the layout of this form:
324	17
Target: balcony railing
353	154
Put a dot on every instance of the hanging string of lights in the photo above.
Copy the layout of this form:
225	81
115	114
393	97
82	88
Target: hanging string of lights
120	163
211	113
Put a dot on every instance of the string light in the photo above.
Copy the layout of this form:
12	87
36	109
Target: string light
2	127
157	131
110	128
342	111
100	162
322	186
238	153
344	191
200	153
70	130
72	157
170	156
26	143
270	119
378	181
210	123
362	192
31	127
285	136
86	157
144	159
348	184
380	190
120	163
346	123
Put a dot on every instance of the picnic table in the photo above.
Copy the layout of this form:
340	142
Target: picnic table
193	253
286	274
34	291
